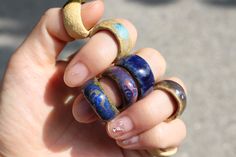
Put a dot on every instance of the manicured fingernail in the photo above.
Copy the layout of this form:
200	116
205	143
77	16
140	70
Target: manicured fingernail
130	141
120	126
84	111
77	74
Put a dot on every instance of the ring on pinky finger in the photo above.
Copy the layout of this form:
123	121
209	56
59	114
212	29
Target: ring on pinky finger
178	93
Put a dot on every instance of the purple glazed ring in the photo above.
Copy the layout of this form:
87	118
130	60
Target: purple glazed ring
125	83
141	72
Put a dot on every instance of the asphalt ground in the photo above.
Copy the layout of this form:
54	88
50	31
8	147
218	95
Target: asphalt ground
198	40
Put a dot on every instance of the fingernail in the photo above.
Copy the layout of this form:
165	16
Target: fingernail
84	111
89	4
77	74
130	141
120	126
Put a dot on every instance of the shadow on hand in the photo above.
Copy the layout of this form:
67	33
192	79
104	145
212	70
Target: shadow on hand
61	132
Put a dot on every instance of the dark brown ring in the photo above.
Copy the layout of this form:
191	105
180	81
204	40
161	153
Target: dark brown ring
177	92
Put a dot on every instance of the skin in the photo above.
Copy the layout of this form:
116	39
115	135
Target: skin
36	116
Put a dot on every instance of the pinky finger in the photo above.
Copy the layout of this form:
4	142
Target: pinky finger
162	136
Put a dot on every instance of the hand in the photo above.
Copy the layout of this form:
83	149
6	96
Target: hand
35	111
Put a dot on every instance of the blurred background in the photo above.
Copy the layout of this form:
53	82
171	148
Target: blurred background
198	40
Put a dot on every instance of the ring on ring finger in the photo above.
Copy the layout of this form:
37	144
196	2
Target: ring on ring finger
178	93
133	69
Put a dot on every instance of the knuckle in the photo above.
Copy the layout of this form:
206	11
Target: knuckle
156	60
153	53
130	26
48	14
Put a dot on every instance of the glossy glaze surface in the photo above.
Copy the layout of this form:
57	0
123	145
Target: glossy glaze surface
141	72
125	82
177	92
95	95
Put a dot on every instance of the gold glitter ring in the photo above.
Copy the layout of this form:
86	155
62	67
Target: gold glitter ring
73	21
119	31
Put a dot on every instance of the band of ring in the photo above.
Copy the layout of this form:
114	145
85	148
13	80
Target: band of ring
177	92
141	72
101	104
120	32
73	21
125	83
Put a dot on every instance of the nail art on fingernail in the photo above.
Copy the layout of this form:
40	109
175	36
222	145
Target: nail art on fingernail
120	126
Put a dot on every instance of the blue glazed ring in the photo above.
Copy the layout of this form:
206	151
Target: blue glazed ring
125	83
95	95
141	72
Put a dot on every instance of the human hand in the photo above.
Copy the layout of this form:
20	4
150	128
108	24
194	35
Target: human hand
36	117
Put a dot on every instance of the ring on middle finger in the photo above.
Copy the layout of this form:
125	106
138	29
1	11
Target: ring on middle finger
132	75
141	72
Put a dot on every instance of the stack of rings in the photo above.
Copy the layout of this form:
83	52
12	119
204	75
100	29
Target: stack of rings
135	80
131	73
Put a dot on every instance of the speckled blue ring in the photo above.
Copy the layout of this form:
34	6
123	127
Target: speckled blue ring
141	71
94	94
125	83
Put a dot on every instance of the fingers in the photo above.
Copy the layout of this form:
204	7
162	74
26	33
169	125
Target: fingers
82	111
100	51
162	136
143	115
49	36
155	60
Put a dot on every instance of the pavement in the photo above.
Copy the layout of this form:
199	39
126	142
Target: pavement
197	38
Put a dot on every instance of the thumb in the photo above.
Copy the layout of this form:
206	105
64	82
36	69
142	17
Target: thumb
49	36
